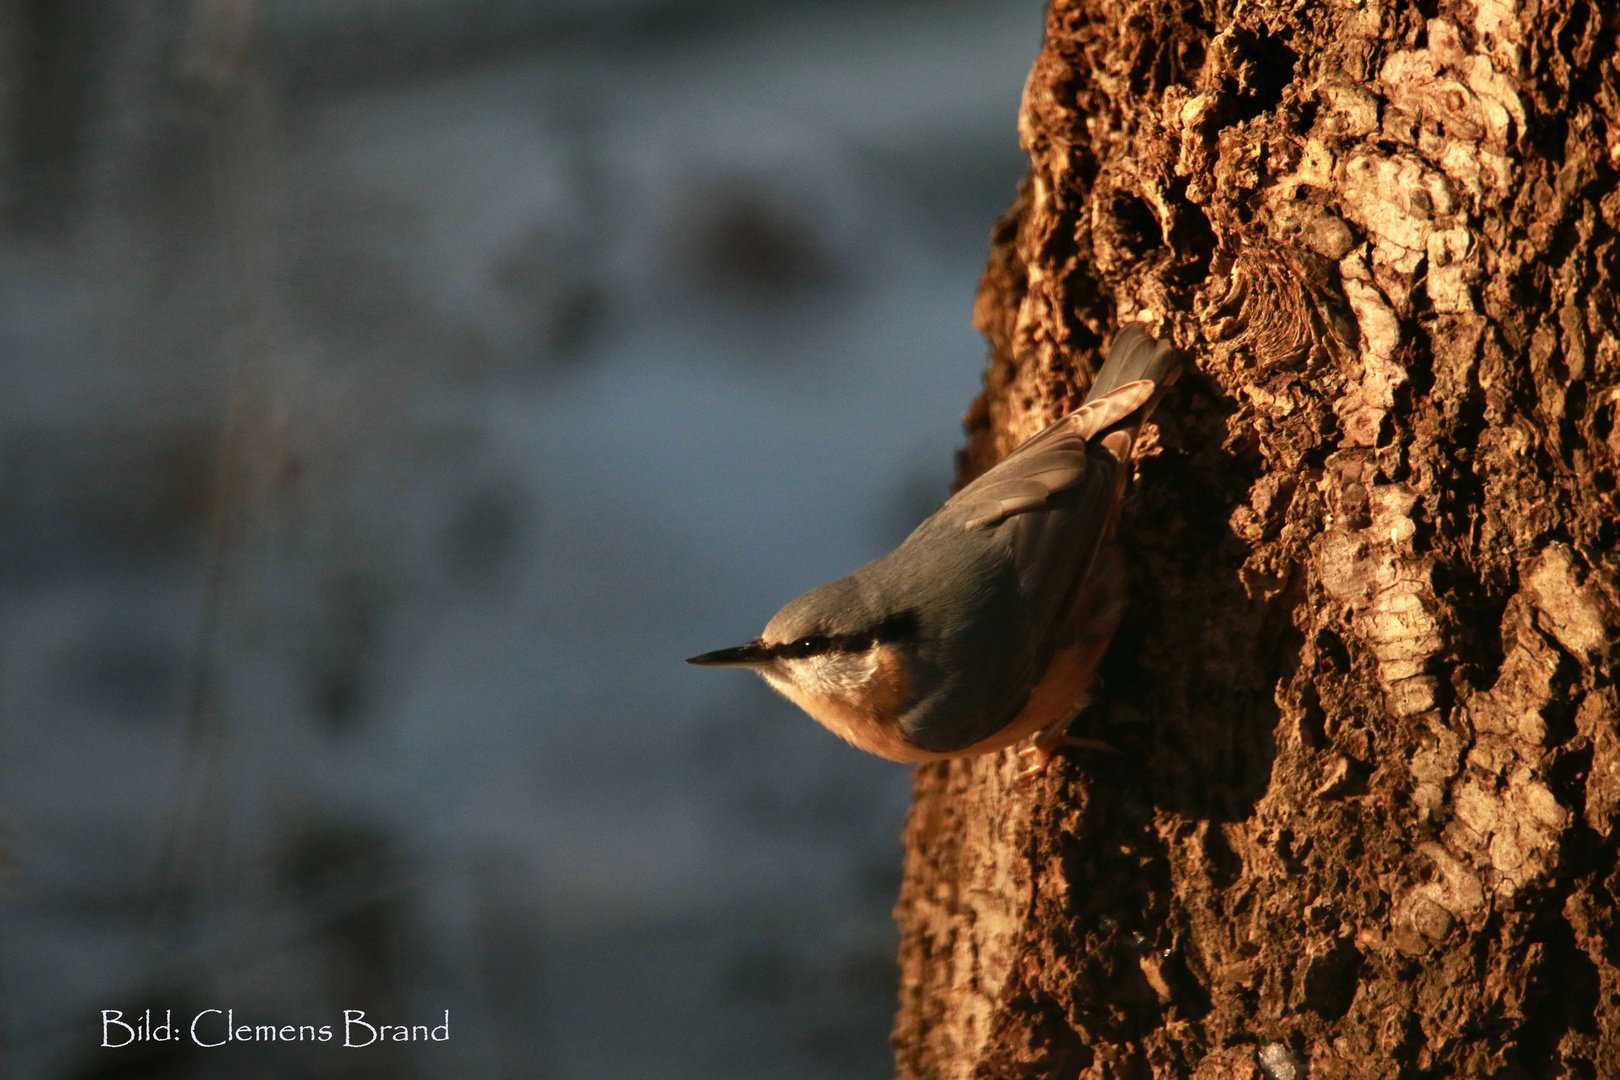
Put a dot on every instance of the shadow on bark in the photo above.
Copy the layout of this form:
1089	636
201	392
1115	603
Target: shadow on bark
1361	820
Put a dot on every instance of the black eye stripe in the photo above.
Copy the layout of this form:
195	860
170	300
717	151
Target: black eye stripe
897	627
811	646
807	646
894	628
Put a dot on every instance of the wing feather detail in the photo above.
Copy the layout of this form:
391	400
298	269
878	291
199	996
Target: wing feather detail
1052	461
1016	546
1094	416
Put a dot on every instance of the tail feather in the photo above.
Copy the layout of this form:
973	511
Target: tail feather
1136	355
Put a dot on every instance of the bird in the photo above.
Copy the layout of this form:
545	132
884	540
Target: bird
984	628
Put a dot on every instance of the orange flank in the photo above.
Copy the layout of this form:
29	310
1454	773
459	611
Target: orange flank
874	726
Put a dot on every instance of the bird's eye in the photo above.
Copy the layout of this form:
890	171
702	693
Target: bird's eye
808	646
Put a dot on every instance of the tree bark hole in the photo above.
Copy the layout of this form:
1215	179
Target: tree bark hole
1362	821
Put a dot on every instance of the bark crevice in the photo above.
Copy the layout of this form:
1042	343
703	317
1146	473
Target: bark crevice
1363	817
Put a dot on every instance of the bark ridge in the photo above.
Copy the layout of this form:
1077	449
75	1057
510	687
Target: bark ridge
1363	820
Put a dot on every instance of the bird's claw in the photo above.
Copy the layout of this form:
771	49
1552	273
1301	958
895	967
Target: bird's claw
1035	757
1032	763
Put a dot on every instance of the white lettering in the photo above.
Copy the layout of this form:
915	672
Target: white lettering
198	1041
141	1029
351	1017
110	1017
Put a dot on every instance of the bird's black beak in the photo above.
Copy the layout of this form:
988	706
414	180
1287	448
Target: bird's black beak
751	655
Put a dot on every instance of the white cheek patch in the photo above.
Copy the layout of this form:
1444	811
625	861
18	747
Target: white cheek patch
776	678
837	675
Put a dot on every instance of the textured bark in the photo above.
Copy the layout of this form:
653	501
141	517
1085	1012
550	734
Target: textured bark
1363	815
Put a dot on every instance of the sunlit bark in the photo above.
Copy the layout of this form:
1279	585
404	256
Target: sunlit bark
1363	813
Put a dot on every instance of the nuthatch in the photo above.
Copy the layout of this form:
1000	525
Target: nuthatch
985	626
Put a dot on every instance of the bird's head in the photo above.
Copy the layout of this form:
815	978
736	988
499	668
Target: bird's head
829	643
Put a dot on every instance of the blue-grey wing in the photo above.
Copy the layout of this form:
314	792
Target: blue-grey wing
1050	500
1028	532
1134	356
1025	535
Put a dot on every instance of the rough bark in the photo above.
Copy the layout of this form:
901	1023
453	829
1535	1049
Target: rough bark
1363	815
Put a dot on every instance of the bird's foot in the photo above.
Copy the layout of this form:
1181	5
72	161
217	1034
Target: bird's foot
1032	763
1035	757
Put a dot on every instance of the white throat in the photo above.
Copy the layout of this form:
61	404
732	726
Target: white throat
841	675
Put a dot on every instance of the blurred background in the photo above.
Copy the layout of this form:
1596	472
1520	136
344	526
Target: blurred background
396	392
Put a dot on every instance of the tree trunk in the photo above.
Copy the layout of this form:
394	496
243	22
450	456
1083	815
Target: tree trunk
1362	818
